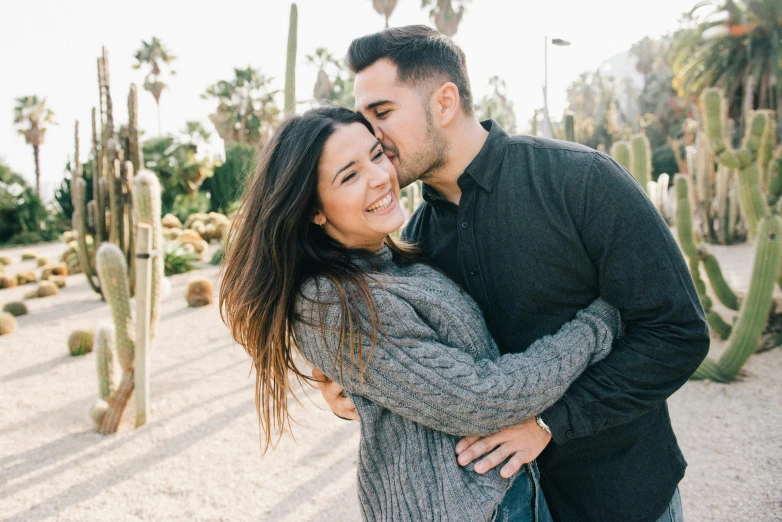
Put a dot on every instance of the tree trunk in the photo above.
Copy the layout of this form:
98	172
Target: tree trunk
37	156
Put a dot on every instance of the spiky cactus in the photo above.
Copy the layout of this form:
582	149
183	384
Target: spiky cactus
570	126
109	215
7	323
114	279
641	160
200	292
290	67
46	289
104	360
80	342
745	337
15	308
622	153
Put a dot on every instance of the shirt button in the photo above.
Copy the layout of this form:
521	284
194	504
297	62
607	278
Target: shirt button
465	224
474	271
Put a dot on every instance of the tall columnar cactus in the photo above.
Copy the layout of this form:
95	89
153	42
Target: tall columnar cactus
113	272
641	160
104	361
622	153
746	158
109	215
290	67
745	338
698	253
570	126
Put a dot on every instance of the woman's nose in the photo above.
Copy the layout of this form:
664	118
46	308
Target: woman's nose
379	176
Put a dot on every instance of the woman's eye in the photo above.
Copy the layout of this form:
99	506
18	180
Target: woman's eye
348	177
381	114
377	156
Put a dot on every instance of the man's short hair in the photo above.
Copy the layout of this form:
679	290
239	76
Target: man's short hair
420	54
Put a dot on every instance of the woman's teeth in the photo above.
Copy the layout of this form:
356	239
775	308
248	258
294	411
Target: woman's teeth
381	205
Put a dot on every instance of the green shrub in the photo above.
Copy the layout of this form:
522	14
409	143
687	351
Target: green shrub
177	259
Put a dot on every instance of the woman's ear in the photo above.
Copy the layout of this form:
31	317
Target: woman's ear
318	218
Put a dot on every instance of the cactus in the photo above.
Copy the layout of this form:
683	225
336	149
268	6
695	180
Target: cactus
570	126
171	221
745	337
46	289
7	281
15	308
200	292
290	67
641	160
32	294
104	360
114	280
746	159
109	213
42	261
6	260
58	280
54	270
7	323
27	256
622	153
24	278
718	325
80	342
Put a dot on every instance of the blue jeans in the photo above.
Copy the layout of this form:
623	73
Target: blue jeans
674	511
524	501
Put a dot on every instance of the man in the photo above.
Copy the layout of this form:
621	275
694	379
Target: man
534	230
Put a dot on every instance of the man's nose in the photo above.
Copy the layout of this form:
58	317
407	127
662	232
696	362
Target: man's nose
378	132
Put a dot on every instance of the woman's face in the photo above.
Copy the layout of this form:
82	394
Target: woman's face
358	189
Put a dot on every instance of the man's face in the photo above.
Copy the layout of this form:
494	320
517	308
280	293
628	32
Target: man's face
402	119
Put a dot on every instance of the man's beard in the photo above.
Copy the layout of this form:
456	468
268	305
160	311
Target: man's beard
425	163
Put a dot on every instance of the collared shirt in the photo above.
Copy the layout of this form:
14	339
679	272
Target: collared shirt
542	229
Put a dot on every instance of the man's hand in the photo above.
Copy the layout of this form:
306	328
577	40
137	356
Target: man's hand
335	396
522	443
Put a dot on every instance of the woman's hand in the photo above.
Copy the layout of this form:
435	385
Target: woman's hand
522	443
335	396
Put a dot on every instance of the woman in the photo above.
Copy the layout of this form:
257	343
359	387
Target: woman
311	268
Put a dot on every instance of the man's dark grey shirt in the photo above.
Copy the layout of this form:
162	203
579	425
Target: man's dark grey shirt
542	229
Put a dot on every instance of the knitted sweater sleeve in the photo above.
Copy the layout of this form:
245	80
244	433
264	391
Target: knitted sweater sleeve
441	386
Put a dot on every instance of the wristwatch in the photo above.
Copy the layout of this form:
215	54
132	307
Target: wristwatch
542	424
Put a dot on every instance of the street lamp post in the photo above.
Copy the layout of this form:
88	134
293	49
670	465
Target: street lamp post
546	120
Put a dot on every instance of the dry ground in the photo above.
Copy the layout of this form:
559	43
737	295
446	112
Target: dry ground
198	458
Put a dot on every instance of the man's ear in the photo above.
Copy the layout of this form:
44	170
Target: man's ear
447	102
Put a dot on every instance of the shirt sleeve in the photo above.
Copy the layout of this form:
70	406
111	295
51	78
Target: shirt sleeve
441	386
642	272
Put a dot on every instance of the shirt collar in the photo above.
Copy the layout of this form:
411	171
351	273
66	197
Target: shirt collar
484	167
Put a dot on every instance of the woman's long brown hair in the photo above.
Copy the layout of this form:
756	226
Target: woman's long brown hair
274	247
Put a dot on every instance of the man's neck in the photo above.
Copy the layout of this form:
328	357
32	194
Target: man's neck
465	144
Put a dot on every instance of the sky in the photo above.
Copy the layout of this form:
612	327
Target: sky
49	48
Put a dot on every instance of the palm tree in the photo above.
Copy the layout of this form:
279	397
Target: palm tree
384	7
154	54
32	117
334	84
446	18
246	109
736	40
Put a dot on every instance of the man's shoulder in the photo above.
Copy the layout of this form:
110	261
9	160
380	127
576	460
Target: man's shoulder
533	144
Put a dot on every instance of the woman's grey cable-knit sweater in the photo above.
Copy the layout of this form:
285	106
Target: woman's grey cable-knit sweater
435	376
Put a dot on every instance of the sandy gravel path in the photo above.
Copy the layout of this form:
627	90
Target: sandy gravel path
198	458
